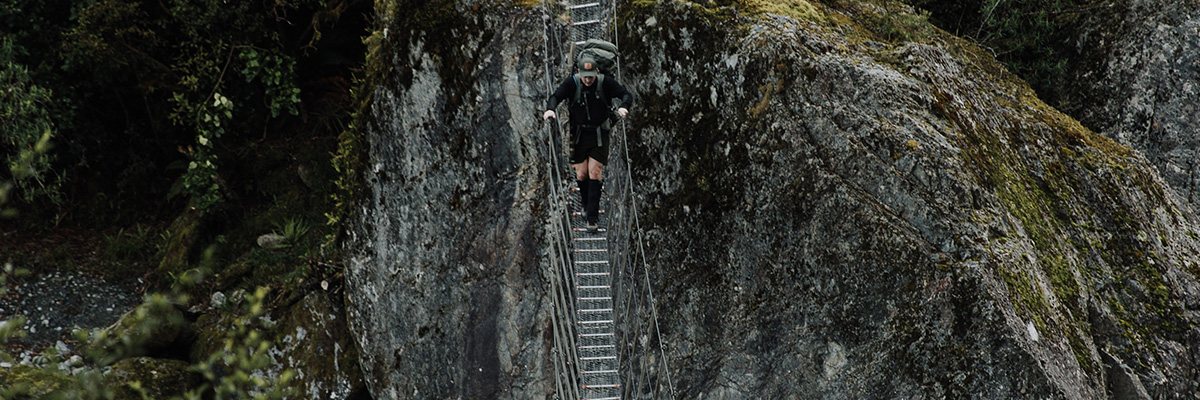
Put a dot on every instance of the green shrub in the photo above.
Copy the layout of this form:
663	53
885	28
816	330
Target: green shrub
28	127
1031	37
238	370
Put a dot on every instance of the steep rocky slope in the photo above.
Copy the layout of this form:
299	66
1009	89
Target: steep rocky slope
897	218
842	203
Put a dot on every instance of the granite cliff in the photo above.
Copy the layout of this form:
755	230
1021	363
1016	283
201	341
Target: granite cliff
1134	78
840	201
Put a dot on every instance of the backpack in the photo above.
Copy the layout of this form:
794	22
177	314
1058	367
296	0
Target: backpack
604	52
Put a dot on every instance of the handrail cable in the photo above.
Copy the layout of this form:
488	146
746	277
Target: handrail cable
565	365
637	223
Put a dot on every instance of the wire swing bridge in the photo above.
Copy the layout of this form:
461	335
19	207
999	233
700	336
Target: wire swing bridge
607	343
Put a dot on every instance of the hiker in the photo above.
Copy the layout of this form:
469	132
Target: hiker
590	111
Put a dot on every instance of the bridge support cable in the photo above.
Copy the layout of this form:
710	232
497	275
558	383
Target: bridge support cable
566	370
629	198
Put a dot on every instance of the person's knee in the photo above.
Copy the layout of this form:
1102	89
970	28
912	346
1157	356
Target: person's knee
594	173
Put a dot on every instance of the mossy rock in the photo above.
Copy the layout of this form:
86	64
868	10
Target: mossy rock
311	337
27	379
183	235
210	334
153	328
160	378
316	340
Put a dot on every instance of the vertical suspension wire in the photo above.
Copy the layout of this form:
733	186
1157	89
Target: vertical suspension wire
565	363
666	370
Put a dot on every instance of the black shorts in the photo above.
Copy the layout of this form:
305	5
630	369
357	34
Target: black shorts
585	145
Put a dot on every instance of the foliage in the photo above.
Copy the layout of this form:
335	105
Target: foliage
201	180
144	76
138	245
293	229
1029	37
10	329
902	27
276	72
24	142
236	371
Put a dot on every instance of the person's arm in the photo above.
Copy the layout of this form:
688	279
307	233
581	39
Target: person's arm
618	91
563	91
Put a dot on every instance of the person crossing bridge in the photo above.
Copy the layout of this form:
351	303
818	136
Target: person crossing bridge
591	117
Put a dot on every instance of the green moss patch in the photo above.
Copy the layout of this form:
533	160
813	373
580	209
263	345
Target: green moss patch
157	378
799	9
32	381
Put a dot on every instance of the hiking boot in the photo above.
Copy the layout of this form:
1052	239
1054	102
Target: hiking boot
593	227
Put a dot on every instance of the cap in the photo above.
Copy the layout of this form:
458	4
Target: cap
587	67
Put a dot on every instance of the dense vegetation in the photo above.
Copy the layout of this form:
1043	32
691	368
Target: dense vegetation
1031	38
154	105
227	111
165	137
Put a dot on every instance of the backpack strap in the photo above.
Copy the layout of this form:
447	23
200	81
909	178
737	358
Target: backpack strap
579	87
600	88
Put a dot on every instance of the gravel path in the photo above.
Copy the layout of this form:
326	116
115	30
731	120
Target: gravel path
56	303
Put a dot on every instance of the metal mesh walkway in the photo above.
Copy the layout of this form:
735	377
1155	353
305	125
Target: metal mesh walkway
595	320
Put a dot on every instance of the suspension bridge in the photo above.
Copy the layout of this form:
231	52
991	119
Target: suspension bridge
607	341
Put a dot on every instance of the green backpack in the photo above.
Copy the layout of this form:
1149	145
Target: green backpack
604	52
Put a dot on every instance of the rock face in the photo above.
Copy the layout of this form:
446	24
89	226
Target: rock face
841	203
445	292
1137	79
900	219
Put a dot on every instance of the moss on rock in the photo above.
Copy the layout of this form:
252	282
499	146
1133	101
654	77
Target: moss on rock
314	338
182	237
37	382
310	337
155	327
159	378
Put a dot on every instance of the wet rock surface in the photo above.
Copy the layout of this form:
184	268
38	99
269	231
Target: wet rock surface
444	288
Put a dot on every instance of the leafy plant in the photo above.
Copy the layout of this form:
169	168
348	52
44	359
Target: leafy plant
136	245
201	179
276	72
28	128
293	229
235	371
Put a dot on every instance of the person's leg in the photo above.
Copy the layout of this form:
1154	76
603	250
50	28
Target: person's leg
581	177
579	162
594	169
595	185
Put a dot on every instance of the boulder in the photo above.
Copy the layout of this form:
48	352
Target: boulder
160	378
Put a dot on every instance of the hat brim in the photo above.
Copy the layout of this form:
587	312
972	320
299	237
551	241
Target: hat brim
588	73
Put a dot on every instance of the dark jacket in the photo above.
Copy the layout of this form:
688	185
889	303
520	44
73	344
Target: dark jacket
591	111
